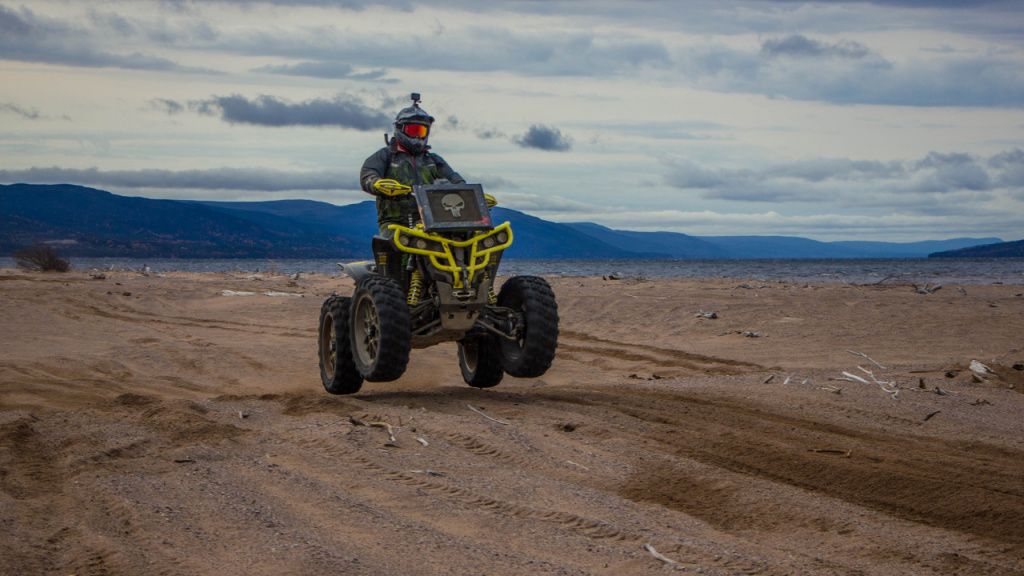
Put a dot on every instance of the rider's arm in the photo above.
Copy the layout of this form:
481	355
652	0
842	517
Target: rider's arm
446	171
373	169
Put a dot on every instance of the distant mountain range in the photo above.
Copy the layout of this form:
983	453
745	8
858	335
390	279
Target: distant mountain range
998	250
88	222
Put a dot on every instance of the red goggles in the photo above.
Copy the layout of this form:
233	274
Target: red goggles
415	130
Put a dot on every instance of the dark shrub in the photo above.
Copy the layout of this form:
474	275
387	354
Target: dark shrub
40	257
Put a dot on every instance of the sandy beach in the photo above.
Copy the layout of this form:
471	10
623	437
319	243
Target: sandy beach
160	425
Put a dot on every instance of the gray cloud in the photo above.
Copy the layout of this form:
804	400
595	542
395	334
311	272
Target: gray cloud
343	110
861	181
26	37
257	179
953	80
170	107
326	69
490	134
27	113
544	138
798	45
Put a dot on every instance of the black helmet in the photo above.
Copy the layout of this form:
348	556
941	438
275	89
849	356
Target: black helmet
412	127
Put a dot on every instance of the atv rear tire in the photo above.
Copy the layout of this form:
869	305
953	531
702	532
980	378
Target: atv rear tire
531	355
381	333
480	361
337	370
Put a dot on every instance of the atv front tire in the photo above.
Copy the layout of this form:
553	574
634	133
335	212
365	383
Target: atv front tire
532	353
337	370
480	361
380	329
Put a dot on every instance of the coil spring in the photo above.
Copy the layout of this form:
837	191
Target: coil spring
492	298
415	288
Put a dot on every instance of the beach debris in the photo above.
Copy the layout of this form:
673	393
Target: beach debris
981	402
941	392
930	414
961	290
768	379
750	287
242	415
1019	366
480	412
611	277
888	386
832	389
428	472
97	275
577	464
270	293
710	314
236	293
386	426
889	277
979	368
843	453
145	270
866	357
786	381
951	373
658	555
927	289
356	421
422	440
750	334
184	461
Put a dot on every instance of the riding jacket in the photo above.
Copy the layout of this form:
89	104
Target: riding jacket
394	162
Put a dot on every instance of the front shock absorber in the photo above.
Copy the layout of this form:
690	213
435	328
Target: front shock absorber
415	288
492	298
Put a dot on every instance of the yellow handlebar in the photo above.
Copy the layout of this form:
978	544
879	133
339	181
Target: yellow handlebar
389	187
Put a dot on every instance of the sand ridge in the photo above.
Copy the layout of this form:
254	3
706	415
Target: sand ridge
150	424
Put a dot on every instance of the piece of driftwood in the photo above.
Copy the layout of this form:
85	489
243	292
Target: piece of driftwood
979	368
927	289
768	379
422	441
386	426
710	314
866	357
832	389
929	416
843	453
480	412
650	549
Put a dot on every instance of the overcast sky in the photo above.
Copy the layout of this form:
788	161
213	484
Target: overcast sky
886	120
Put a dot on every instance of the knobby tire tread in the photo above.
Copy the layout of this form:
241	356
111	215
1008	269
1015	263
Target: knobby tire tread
347	379
541	314
395	335
489	371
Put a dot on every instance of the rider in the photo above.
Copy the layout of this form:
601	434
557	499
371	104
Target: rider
390	173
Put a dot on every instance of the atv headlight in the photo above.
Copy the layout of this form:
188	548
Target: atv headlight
502	237
489	242
421	243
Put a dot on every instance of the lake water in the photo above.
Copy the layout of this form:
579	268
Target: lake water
918	271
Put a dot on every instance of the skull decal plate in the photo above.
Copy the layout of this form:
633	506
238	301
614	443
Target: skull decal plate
453	203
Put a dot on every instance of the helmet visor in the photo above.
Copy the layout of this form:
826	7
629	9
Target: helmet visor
415	130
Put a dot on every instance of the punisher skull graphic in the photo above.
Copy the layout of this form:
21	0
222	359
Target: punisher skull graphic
454	204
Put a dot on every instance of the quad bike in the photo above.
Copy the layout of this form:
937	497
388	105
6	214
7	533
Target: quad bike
431	282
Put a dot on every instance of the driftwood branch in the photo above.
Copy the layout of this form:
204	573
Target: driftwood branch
866	357
659	555
844	453
480	412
